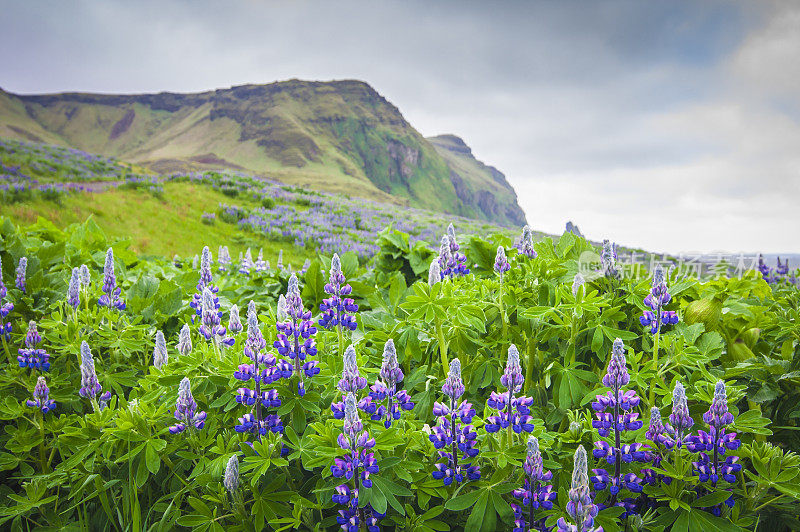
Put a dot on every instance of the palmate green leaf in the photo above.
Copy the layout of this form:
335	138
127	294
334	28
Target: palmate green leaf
479	517
462	502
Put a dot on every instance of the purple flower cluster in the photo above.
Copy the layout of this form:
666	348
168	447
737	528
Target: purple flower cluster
223	258
22	269
512	411
580	507
658	297
263	369
206	281
41	397
74	289
535	493
111	291
337	310
211	320
777	275
386	390
90	386
525	243
186	410
30	356
295	337
5	308
501	264
608	260
450	437
451	262
160	355
614	414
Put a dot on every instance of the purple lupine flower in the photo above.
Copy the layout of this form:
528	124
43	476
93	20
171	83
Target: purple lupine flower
577	282
621	418
74	289
337	310
351	380
580	507
279	262
525	244
195	261
434	273
281	310
206	281
30	356
41	397
211	327
231	477
260	265
459	260
608	260
306	266
357	465
223	258
234	323
185	340
160	355
656	300
246	263
501	264
513	411
22	269
5	310
534	493
449	436
85	276
186	410
386	389
111	291
90	387
295	336
263	369
679	420
3	289
446	261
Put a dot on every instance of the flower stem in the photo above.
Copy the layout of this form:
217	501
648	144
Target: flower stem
656	341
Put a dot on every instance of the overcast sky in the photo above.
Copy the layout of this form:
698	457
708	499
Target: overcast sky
672	126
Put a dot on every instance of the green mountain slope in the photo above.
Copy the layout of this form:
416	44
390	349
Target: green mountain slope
340	136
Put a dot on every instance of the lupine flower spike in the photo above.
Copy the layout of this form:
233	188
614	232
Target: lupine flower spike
658	297
235	323
111	291
41	397
580	506
90	386
185	340
525	244
22	269
31	356
3	289
5	309
74	289
449	437
211	327
231	477
459	266
357	465
513	412
618	420
260	265
337	310
608	260
386	389
434	273
295	337
206	281
534	493
577	283
160	356
679	420
501	264
85	277
186	410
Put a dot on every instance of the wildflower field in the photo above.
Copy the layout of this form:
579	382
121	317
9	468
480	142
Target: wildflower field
478	383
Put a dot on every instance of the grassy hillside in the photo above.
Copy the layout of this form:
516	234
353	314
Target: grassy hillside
339	136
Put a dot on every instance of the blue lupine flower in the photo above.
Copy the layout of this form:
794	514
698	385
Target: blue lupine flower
679	420
22	269
30	356
459	266
85	276
295	336
234	323
223	258
656	300
608	260
512	411
434	273
534	493
160	355
260	265
264	371
501	264
111	291
386	389
351	380
74	289
186	410
525	244
246	263
449	437
337	310
231	477
279	262
90	387
577	283
446	261
41	397
211	327
206	281
619	419
580	507
185	340
357	464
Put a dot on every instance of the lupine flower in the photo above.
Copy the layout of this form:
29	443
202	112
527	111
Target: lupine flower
386	389
74	289
659	435
501	264
185	340
22	269
525	244
30	356
211	327
111	291
85	276
337	311
3	289
206	281
534	493
235	324
357	465
351	380
5	310
619	419
716	441
459	264
679	420
580	506
223	258
656	300
231	477
263	370
195	261
608	260
90	387
512	411
160	356
41	397
449	437
186	410
295	336
577	282
260	265
434	273
246	262
446	261
306	266
279	262
281	312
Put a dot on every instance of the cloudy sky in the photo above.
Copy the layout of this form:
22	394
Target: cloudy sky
668	125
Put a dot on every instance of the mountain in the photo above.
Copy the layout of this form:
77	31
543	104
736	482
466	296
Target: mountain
340	136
